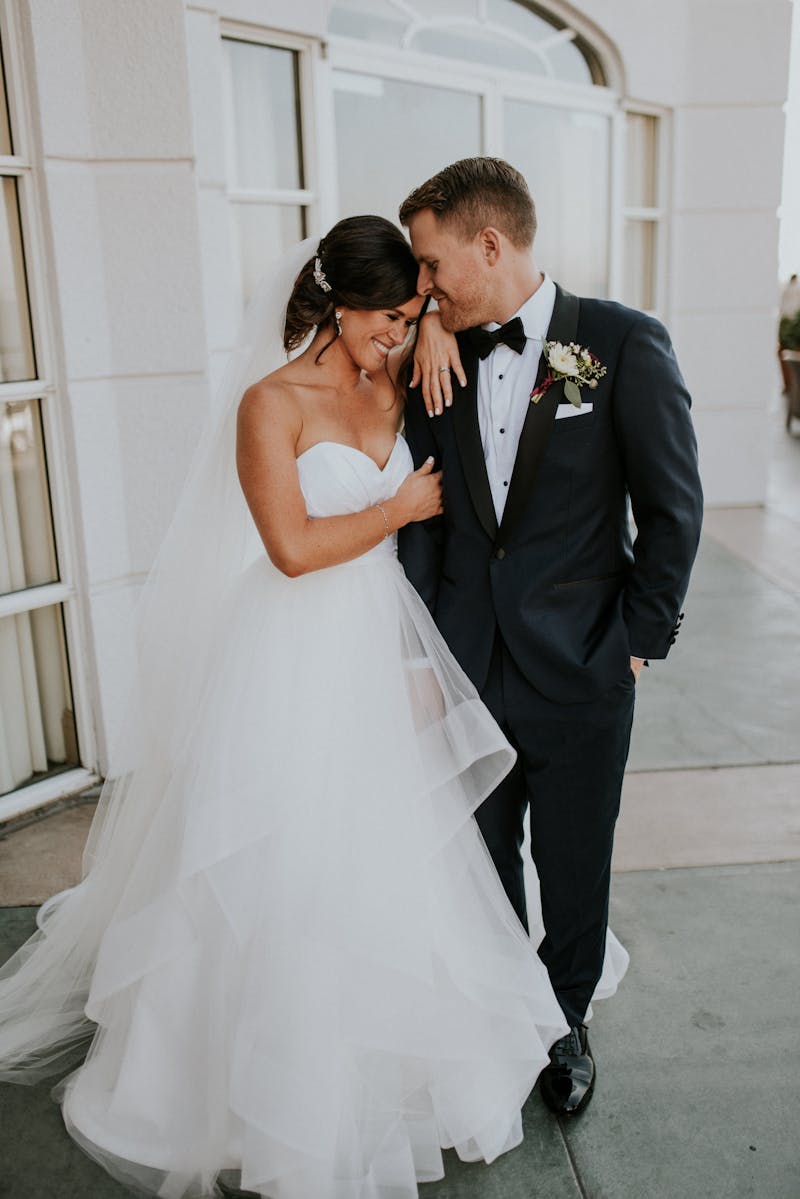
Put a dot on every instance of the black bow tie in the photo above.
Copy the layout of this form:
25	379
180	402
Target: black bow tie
512	334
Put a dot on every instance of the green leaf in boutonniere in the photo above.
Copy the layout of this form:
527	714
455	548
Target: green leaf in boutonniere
573	364
572	392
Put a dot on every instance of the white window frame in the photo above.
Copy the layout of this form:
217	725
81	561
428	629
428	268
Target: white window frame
309	52
657	213
47	389
494	83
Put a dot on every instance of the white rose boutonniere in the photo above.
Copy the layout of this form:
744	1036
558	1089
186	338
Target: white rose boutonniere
577	366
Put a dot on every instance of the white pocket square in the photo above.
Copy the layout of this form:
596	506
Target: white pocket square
565	410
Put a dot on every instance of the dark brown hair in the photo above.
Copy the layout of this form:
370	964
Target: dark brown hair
367	263
474	193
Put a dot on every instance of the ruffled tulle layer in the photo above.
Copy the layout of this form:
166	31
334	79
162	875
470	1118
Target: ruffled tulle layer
300	961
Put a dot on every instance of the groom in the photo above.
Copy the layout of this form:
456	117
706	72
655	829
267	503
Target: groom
531	574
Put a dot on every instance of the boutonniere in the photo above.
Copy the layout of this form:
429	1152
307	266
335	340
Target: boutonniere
577	366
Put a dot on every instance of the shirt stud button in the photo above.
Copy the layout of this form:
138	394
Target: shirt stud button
502	430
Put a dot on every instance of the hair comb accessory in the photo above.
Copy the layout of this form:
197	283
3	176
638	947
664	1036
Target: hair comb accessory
319	275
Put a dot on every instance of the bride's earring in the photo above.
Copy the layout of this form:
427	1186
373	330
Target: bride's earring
338	317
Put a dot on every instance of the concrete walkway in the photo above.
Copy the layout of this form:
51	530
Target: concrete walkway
698	1089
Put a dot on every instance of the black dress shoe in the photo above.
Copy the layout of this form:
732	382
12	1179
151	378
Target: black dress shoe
567	1083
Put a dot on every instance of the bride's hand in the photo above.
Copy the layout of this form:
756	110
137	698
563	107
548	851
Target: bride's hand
419	496
436	361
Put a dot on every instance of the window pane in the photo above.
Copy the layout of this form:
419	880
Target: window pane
369	20
488	47
27	552
567	62
640	161
640	259
5	128
391	136
16	345
564	155
37	721
264	140
263	231
452	29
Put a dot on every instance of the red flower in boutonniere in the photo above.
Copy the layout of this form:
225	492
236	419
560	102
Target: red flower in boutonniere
577	366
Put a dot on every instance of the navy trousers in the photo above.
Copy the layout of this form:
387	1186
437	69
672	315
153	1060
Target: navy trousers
571	761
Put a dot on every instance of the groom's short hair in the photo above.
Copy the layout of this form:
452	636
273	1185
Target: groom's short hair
474	193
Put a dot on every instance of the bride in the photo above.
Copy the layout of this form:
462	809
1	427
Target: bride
298	970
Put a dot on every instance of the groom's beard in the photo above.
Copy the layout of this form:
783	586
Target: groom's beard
465	313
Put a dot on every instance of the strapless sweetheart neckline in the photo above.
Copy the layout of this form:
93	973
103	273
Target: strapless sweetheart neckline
345	446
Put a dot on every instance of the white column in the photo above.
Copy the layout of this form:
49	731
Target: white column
111	82
721	66
728	154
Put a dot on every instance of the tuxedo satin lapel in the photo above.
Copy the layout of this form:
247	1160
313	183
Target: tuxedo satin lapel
468	437
540	416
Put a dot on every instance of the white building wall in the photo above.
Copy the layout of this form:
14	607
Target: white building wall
727	187
218	253
722	67
111	85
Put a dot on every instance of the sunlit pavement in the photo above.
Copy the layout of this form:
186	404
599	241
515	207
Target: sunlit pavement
699	1054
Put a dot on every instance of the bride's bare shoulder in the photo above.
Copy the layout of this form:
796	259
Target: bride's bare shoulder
271	404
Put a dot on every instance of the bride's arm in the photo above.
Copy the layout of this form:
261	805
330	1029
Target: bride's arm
268	428
436	349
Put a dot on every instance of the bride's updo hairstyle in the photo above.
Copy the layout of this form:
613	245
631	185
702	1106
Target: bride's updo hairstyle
364	262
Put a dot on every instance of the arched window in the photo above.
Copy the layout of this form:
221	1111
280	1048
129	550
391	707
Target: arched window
420	83
496	33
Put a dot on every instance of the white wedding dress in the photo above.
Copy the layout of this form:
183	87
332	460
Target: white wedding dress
308	974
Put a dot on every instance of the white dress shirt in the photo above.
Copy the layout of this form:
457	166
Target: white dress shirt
505	382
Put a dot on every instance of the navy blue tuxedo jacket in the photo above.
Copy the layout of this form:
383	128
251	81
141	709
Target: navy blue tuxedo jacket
572	592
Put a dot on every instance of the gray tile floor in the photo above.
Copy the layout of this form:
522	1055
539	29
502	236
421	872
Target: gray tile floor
698	1054
698	1085
728	693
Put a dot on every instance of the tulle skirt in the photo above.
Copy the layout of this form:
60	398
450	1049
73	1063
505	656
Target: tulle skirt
304	972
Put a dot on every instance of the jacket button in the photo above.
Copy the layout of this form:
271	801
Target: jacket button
500	553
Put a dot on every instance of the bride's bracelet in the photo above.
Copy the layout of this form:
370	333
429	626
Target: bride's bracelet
382	511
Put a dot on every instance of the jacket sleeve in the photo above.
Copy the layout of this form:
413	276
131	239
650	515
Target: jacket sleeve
420	543
654	430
